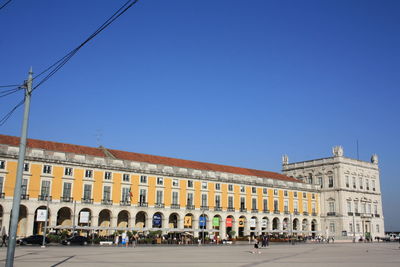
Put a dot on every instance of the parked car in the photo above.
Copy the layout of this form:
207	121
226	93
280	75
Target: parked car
76	240
33	240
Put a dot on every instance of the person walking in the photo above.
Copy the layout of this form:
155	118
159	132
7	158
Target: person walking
4	240
256	245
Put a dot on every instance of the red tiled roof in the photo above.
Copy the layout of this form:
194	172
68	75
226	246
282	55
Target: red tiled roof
123	155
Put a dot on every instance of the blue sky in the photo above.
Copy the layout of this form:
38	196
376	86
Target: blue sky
230	82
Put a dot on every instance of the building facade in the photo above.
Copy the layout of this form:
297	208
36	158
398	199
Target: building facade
351	202
99	189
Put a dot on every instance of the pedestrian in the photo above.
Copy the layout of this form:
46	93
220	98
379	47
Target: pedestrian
256	246
4	240
267	240
116	240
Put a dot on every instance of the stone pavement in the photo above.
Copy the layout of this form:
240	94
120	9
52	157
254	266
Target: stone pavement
326	255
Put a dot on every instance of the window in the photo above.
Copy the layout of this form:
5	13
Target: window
377	228
190	184
347	181
320	182
369	208
367	184
107	175
304	195
295	194
230	202
313	207
242	203
230	187
88	174
174	198
189	199
142	195
305	206
67	190
126	177
160	180
376	209
159	197
68	171
204	200
217	186
217	201
242	189
354	183
204	185
107	192
265	204
45	190
275	192
87	191
47	169
126	195
286	206
332	227
254	190
265	191
276	205
330	179
26	167
373	185
285	193
143	179
296	206
2	164
175	182
356	206
351	227
358	227
349	206
363	207
331	206
313	196
253	203
1	184
24	186
360	181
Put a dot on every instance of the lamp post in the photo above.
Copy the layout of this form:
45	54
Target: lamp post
202	227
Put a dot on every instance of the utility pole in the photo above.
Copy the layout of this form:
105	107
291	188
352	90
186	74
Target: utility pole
20	169
45	222
73	223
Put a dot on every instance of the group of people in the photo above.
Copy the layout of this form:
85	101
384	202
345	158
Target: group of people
263	240
125	240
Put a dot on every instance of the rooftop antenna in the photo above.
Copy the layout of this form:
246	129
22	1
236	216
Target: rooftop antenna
99	135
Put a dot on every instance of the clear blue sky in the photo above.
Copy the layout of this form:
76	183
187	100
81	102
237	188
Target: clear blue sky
230	82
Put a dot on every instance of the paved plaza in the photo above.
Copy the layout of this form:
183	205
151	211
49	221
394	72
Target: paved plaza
338	254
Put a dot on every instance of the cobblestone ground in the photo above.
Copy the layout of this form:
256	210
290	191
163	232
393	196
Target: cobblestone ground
337	254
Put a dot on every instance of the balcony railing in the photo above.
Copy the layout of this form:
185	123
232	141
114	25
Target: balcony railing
243	210
265	211
377	215
190	207
276	212
367	215
254	210
203	207
314	214
66	199
142	204
124	203
44	198
331	213
159	205
175	206
217	208
286	212
230	209
350	213
87	200
305	213
24	197
296	212
2	195
106	202
357	214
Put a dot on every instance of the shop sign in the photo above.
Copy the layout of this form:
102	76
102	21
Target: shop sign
187	221
252	222
264	223
241	222
41	215
84	217
157	220
202	221
216	221
228	222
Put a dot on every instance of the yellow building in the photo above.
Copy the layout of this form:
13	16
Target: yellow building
101	189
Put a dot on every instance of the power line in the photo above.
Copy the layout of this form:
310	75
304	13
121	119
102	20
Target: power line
9	92
4	5
10	85
5	118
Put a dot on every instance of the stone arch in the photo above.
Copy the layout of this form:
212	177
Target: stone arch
242	225
285	224
123	219
104	221
296	224
304	225
157	220
229	226
140	219
38	226
173	220
22	227
64	216
275	224
264	224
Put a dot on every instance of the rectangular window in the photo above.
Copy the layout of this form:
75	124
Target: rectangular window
107	175
373	185
376	209
321	182
254	190
313	196
26	167
242	203
175	198
217	186
88	174
175	182
367	184
126	196
87	191
265	191
351	227
285	193
331	206
143	179
2	164
67	190
230	202
369	208
242	189
295	194
160	180
107	192
68	171
230	187
305	206
296	206
204	200
330	179
347	181
159	197
377	228
204	185
354	183
47	169
286	206
217	201
332	227
190	184
253	203
24	187
313	207
276	205
304	195
142	195
357	227
45	190
349	206
190	199
360	182
126	177
356	206
1	184
275	192
265	204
